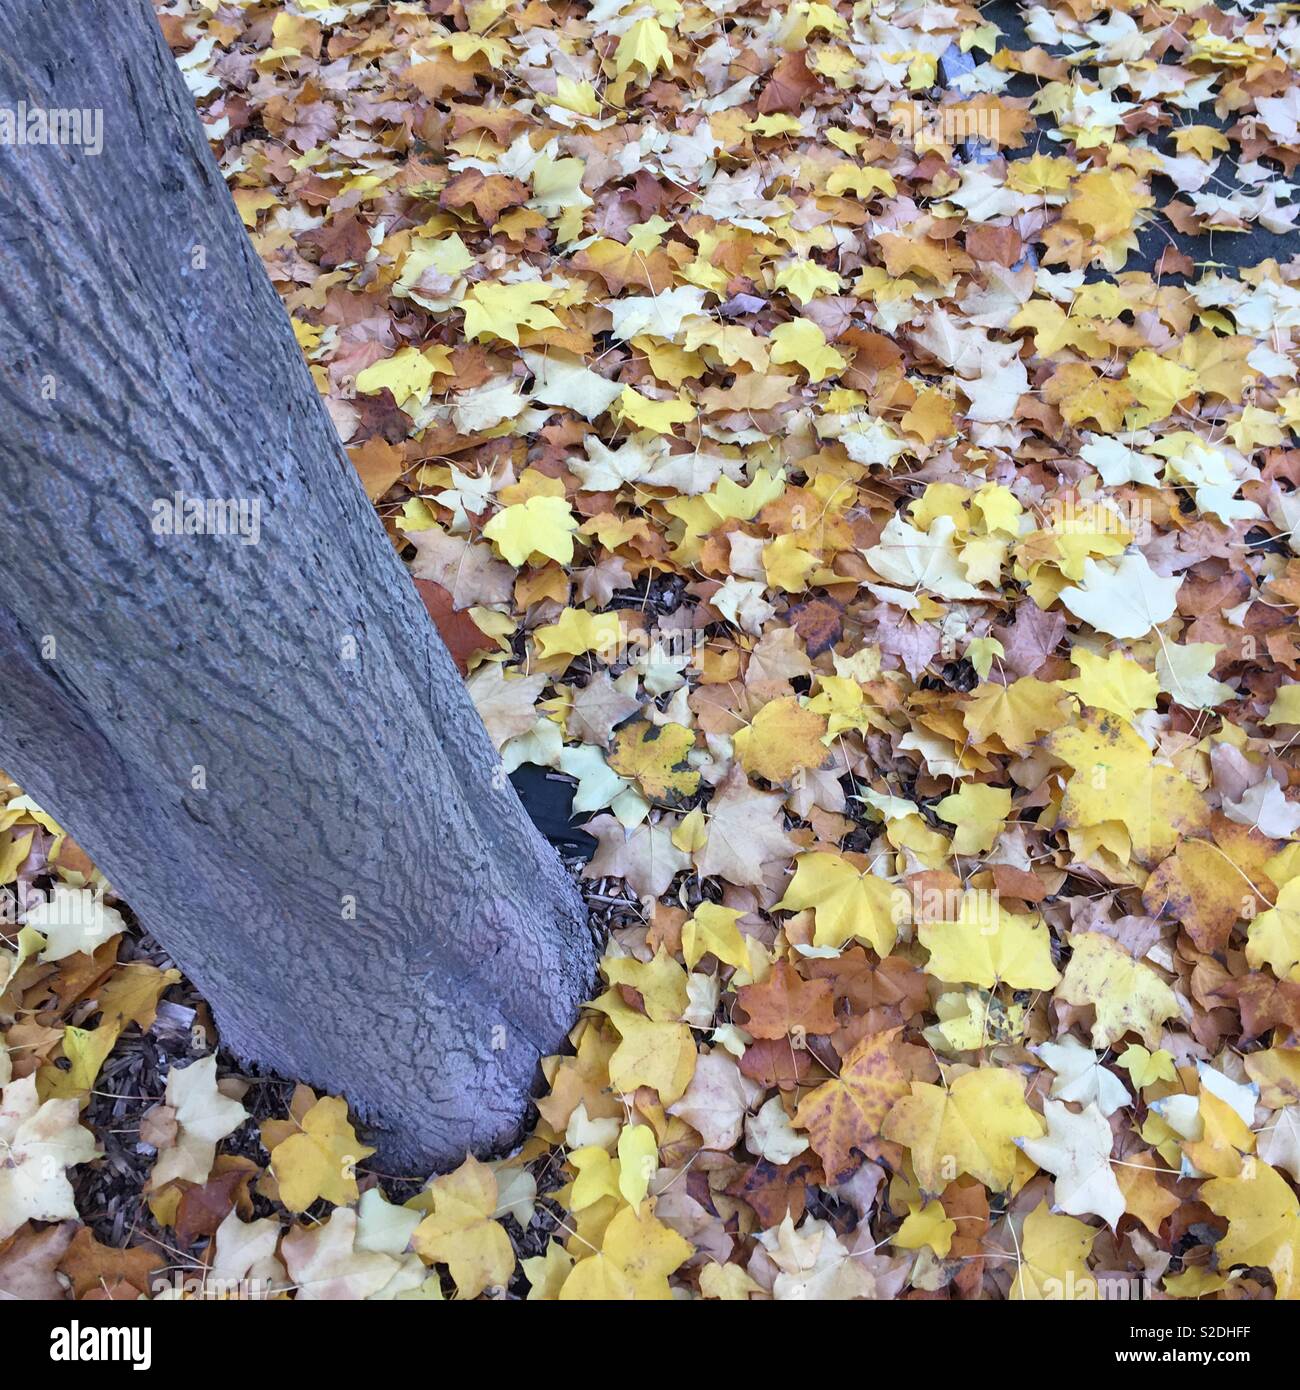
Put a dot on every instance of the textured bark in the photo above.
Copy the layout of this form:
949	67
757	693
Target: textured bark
247	738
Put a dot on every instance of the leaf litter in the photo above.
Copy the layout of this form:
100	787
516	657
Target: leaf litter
805	456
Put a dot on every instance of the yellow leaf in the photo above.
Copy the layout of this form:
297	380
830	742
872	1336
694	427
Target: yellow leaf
801	341
979	812
597	1177
577	631
845	903
1127	995
988	946
656	756
1116	779
969	1127
769	126
712	930
658	1055
644	46
541	525
660	982
926	1225
546	1273
658	416
1285	708
407	374
848	178
1273	938
132	994
460	1233
787	564
1114	682
638	1160
805	280
636	1257
494	310
1017	714
576	96
1225	1137
14	849
847	1112
1263	1223
1146	1068
1107	201
1204	141
691	834
1158	384
320	1161
86	1051
728	1282
1053	1257
783	738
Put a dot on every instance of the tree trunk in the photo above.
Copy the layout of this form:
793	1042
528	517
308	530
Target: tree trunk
265	746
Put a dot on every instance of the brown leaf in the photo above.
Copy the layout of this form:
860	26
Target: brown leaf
784	1003
460	634
103	1271
488	194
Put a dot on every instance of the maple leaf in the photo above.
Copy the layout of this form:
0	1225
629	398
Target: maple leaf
540	525
1081	1078
499	311
979	812
320	1160
1127	995
325	1264
460	634
1052	1256
814	1263
785	1002
969	1127
73	920
1273	938
1077	1149
104	1271
846	902
461	1231
1126	599
1263	1224
1208	889
1116	779
654	1053
783	738
40	1141
203	1116
488	194
645	857
988	945
712	930
29	1260
745	832
504	703
655	755
848	1112
408	374
716	1102
636	1257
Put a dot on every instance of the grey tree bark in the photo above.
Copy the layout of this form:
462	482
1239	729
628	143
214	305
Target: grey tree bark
264	746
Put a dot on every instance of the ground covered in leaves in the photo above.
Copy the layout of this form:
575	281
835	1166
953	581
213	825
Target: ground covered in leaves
807	460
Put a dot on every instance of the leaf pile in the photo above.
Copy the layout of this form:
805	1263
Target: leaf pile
817	467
